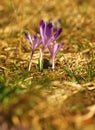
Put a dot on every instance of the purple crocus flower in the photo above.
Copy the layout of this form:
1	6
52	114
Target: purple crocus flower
46	31
53	49
34	42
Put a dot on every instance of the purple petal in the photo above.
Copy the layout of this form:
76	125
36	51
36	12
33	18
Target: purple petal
42	28
36	42
40	40
35	36
42	23
58	32
49	30
56	48
49	48
60	46
28	37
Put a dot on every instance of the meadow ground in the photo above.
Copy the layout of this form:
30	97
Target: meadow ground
63	99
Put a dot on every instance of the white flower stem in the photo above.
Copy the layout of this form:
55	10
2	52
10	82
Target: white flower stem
53	64
41	60
30	63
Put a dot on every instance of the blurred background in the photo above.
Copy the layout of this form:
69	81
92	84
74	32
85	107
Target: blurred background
19	15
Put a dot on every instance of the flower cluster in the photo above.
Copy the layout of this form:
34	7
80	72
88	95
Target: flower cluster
47	39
